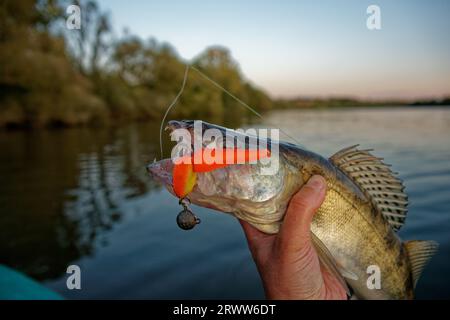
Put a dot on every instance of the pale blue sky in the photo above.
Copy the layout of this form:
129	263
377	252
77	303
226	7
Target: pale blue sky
309	48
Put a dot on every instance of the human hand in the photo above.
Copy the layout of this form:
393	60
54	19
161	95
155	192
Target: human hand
287	262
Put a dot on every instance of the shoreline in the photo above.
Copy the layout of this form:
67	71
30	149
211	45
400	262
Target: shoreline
108	123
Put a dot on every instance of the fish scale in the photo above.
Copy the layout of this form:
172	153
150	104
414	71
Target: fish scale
349	236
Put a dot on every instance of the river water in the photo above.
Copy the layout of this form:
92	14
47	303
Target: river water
82	196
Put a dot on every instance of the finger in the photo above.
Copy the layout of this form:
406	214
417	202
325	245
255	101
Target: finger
256	239
252	234
295	230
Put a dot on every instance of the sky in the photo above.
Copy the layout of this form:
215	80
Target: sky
308	48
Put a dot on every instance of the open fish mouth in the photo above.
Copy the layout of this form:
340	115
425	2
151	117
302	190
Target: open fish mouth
174	125
161	171
179	124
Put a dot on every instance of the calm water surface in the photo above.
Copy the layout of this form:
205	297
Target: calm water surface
82	196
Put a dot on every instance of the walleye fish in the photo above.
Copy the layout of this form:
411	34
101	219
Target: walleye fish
355	227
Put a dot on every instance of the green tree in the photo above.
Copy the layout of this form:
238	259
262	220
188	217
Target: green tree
51	75
38	83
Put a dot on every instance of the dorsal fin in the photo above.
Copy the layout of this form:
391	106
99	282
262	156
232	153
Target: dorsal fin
419	253
377	181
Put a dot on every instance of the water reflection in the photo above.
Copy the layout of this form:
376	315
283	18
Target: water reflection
60	190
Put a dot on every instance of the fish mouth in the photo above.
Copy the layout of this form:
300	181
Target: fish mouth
189	125
161	171
173	125
179	124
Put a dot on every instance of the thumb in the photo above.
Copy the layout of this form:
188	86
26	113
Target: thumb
295	230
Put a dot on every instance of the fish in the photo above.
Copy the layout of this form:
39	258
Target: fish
355	228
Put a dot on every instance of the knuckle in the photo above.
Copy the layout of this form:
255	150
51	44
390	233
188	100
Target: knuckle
306	200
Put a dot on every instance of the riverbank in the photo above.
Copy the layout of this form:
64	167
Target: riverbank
110	121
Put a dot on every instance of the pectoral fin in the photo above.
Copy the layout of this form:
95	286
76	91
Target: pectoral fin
329	263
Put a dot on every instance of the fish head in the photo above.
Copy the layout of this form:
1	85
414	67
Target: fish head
238	189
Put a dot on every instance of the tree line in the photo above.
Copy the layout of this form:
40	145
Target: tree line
53	76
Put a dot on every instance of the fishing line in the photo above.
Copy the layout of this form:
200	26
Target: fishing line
170	107
227	92
221	88
240	101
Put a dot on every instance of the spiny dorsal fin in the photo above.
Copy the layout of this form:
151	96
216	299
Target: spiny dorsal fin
377	180
419	253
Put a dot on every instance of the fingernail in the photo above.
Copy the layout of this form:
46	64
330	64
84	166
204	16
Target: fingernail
317	182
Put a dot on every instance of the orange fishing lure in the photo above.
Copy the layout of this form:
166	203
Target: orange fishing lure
184	174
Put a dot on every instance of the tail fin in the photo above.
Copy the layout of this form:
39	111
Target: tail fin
419	253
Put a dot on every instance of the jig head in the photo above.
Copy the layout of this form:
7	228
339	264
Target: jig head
186	219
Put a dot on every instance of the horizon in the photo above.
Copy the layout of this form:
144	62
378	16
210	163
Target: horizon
408	59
